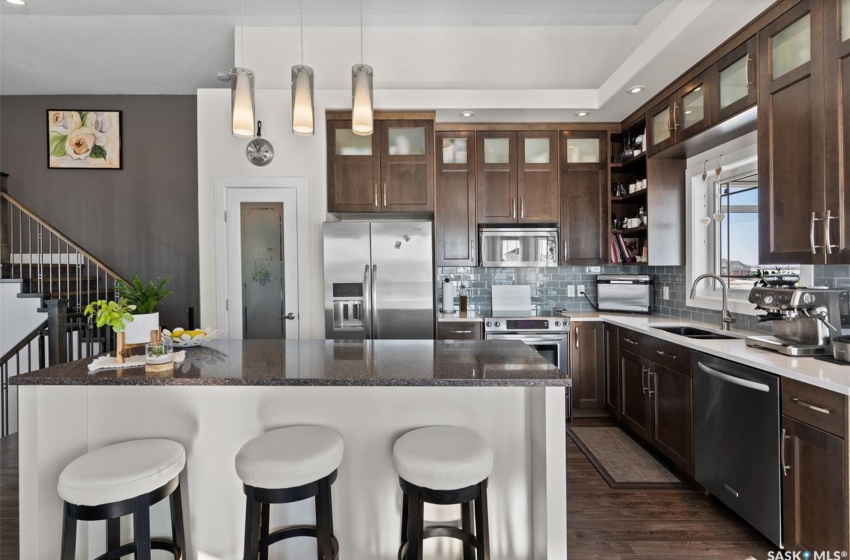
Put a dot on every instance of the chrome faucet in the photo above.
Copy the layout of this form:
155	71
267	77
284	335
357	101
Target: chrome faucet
727	318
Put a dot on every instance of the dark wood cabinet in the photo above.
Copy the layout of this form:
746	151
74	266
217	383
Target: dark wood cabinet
791	137
814	488
660	129
584	197
587	365
612	369
460	330
517	177
671	393
455	227
837	103
733	82
635	406
390	171
680	116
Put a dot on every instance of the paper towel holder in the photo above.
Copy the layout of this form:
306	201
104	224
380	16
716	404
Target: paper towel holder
448	304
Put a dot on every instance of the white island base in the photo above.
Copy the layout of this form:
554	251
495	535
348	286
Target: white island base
525	426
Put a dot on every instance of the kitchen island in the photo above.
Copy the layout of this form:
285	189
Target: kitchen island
371	392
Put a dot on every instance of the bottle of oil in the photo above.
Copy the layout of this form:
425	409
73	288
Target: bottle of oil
464	298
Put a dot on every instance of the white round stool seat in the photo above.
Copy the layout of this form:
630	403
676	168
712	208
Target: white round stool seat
121	471
289	457
443	457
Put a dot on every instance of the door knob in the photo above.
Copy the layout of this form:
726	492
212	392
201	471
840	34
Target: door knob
289	316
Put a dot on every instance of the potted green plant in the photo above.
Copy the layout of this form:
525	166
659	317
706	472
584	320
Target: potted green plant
144	298
116	314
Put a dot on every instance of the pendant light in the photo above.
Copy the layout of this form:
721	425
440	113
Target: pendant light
243	121
362	115
303	122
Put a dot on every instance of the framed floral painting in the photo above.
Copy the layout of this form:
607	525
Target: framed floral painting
84	139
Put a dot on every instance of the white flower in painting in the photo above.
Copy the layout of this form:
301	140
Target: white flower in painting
80	142
65	121
99	122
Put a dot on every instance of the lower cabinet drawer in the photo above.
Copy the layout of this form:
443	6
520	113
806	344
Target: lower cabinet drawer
459	330
635	342
821	408
670	355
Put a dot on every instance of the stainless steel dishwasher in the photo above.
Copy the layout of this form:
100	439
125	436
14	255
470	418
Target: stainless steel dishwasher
737	440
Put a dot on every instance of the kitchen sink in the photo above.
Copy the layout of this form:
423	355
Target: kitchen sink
693	332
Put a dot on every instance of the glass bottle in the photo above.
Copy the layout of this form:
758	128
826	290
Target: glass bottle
464	298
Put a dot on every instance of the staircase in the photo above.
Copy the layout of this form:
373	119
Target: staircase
64	278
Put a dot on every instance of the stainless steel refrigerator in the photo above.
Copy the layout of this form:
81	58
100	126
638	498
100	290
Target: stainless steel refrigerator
379	280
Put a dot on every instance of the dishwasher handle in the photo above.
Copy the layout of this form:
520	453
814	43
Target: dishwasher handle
732	379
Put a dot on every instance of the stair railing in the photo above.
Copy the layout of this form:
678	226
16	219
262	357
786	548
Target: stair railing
20	358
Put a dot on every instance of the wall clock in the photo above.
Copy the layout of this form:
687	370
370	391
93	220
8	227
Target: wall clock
260	151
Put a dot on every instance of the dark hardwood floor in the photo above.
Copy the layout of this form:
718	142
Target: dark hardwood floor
603	523
609	524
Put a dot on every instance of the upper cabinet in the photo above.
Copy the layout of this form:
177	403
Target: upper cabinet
791	137
732	82
517	177
680	116
584	197
390	171
455	228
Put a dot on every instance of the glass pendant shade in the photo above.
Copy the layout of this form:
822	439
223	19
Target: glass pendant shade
362	117
302	101
242	103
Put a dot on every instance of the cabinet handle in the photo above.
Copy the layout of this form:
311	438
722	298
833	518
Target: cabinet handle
810	406
648	382
576	338
513	208
747	73
666	355
812	234
675	115
630	341
827	237
785	467
643	378
385	194
376	194
522	208
565	249
461	332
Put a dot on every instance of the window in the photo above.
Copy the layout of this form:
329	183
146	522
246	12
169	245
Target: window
723	224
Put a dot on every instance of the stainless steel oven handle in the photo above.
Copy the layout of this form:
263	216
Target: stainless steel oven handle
732	379
525	339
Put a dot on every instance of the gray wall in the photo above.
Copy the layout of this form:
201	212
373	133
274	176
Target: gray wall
140	220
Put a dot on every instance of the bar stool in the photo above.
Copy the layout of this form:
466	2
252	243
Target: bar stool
284	466
123	479
443	465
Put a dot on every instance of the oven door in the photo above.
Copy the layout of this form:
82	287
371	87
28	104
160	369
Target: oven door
553	347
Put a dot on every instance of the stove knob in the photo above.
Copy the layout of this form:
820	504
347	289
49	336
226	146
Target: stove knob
768	299
489	324
498	324
557	323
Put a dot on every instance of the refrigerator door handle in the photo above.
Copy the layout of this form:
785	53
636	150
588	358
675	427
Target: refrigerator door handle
367	303
374	302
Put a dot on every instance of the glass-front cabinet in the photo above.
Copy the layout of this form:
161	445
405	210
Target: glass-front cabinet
733	82
691	110
407	169
662	133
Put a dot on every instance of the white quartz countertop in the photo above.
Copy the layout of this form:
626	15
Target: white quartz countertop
459	317
829	376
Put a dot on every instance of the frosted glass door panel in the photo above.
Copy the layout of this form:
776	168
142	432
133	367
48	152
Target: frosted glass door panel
792	47
497	150
536	150
262	270
407	141
693	108
733	83
583	150
845	20
454	150
660	127
349	144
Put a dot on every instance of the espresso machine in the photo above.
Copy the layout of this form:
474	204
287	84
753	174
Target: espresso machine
805	320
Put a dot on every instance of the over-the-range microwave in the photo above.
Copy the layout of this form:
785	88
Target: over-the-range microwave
518	247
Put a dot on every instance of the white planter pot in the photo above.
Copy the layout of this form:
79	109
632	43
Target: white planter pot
139	330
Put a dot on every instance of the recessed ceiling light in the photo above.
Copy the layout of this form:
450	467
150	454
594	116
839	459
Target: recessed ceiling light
467	114
18	2
635	89
582	114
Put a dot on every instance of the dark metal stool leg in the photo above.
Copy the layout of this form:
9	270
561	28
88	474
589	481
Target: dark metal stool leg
324	521
482	530
415	527
175	501
405	512
69	534
142	527
265	519
466	524
113	533
252	525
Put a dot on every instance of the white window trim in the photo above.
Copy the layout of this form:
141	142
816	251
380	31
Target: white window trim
741	150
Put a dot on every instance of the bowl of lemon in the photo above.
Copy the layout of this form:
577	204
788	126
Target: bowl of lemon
183	338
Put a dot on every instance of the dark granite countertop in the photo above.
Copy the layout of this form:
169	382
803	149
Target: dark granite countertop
330	363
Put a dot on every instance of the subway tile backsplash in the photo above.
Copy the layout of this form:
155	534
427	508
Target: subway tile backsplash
549	288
